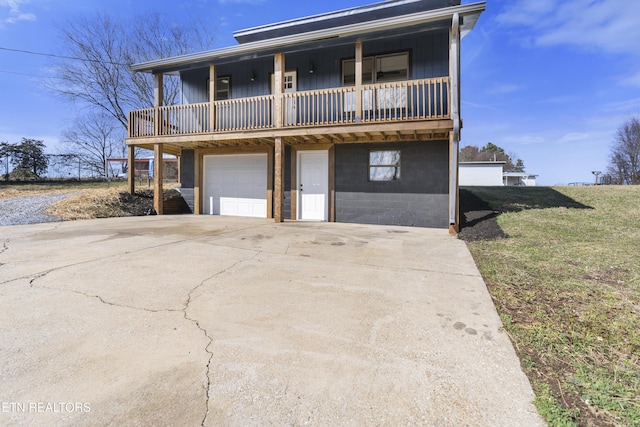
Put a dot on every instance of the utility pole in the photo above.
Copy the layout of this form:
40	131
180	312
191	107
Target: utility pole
597	174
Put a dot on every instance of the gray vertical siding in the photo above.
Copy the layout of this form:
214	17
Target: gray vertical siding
419	198
187	178
428	55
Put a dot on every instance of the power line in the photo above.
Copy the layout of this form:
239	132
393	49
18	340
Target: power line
29	75
51	55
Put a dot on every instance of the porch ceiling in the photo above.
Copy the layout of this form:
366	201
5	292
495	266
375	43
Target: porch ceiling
350	134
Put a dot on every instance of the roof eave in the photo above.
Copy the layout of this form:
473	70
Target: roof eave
470	10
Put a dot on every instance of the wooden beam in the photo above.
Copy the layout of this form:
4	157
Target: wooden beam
278	191
158	199
270	170
316	132
197	182
358	82
278	90
212	98
131	175
158	95
294	183
158	90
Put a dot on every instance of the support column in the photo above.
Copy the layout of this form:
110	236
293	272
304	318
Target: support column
278	157
158	203
358	71
270	173
212	97
131	175
158	99
197	182
278	191
278	74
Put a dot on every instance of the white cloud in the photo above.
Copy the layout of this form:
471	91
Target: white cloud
574	136
626	106
15	14
241	1
524	139
609	26
504	88
632	80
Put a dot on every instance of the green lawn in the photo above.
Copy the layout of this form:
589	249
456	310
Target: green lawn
566	283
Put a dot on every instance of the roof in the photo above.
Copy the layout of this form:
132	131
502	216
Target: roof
371	12
469	15
484	162
520	174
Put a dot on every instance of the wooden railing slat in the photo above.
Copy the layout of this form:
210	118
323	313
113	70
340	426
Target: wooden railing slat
422	99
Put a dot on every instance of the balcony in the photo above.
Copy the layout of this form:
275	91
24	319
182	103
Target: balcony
414	102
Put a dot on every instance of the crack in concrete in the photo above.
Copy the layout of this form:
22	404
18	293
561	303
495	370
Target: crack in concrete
98	297
205	332
183	310
4	247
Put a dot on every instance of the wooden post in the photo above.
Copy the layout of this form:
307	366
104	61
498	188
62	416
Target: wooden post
278	192
278	158
278	74
197	182
158	202
212	97
158	99
131	175
294	183
358	71
270	170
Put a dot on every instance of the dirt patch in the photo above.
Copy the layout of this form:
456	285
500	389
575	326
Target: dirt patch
113	202
478	221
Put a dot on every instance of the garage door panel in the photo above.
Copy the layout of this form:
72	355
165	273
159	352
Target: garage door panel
236	184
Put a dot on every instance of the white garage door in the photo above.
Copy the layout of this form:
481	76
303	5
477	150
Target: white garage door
236	184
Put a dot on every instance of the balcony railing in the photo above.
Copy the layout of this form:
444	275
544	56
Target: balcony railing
425	99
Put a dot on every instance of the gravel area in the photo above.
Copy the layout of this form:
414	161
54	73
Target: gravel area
29	209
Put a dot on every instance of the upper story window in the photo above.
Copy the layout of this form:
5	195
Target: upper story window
223	88
377	69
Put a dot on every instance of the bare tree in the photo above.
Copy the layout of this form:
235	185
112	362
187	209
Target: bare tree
624	159
99	52
93	139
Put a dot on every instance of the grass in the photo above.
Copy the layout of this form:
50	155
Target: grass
90	199
566	283
11	189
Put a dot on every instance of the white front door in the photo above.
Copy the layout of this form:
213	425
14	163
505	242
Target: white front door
313	185
290	104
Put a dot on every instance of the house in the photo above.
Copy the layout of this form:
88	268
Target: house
350	116
143	167
521	179
481	173
490	173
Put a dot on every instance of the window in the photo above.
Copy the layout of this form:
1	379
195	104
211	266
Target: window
384	165
223	88
377	69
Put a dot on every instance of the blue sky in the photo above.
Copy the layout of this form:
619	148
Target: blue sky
547	80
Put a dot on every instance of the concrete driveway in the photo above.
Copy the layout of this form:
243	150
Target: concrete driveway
197	320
